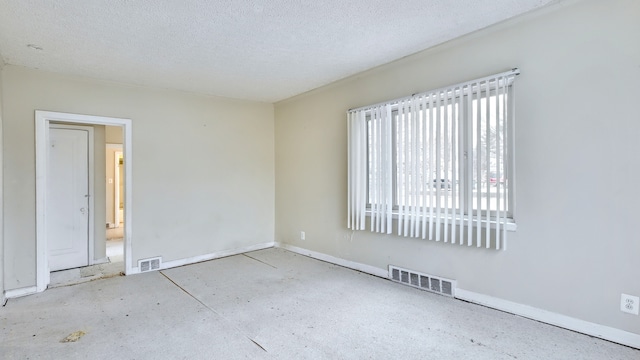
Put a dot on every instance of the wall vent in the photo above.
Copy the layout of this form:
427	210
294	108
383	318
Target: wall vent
150	264
422	281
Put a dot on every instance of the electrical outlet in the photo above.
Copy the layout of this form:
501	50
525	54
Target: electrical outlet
629	304
302	235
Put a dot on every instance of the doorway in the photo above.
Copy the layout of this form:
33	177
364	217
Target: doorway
115	202
45	195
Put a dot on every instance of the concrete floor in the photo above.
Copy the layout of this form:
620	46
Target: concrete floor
115	233
85	274
115	266
273	304
115	250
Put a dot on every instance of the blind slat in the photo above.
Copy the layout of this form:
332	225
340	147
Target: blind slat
388	199
362	171
469	162
425	167
414	169
499	116
446	169
454	167
488	142
438	140
478	165
431	113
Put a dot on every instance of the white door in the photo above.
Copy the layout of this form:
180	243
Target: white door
67	215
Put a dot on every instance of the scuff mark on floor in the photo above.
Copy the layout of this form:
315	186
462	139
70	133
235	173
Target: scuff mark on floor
260	346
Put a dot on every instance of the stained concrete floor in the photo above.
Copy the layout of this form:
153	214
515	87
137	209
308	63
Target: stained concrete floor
273	304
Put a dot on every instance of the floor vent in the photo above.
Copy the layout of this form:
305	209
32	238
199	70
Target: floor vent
149	264
422	281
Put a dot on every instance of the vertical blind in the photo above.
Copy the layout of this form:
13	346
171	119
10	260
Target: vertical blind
439	161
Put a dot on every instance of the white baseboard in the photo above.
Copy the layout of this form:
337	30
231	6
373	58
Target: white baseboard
372	270
200	258
563	321
15	293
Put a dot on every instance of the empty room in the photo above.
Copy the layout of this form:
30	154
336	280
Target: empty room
319	180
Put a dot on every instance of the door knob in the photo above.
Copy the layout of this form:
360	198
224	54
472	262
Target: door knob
83	210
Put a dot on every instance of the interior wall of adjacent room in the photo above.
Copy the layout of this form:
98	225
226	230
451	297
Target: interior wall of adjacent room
203	167
576	247
113	136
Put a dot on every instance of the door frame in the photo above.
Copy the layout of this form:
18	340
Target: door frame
42	121
90	178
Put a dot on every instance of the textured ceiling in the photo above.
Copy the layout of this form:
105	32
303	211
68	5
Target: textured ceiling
246	49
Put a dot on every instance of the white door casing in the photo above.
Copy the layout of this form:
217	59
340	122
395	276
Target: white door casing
42	122
69	190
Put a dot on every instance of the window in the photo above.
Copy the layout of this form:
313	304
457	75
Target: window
440	162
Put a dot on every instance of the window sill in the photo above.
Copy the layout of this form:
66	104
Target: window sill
509	226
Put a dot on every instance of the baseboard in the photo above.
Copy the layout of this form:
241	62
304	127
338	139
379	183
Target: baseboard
372	270
10	294
15	293
215	255
548	317
563	321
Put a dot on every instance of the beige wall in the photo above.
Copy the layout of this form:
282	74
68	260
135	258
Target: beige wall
113	136
576	248
203	167
110	189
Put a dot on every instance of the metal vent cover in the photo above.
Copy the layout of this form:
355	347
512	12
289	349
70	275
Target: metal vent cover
150	264
422	281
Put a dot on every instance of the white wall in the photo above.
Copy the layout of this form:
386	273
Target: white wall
577	246
203	167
